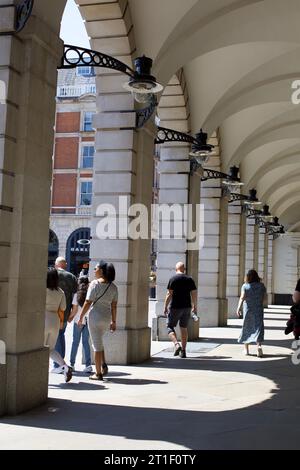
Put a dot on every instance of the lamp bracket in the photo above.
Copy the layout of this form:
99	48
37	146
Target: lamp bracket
90	58
170	135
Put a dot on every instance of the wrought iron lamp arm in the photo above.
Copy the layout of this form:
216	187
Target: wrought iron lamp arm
92	58
23	12
209	174
234	197
170	135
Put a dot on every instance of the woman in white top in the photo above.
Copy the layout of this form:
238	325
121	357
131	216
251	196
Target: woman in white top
80	332
55	301
101	303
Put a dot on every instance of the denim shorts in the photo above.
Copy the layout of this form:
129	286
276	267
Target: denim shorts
181	315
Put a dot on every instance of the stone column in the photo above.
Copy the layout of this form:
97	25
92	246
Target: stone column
123	163
250	227
222	284
242	257
28	66
212	281
261	253
266	259
234	266
176	188
270	284
256	248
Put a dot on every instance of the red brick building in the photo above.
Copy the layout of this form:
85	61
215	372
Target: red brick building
73	159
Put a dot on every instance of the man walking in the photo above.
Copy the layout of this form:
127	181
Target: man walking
182	297
68	283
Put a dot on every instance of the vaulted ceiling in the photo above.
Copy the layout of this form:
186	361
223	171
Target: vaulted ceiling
240	58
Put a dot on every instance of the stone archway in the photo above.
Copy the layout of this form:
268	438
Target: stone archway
124	158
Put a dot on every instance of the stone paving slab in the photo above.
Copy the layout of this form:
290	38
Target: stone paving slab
219	399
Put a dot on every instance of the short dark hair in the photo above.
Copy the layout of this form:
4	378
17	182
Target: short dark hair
52	279
252	276
109	272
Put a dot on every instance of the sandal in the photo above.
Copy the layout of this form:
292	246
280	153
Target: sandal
178	349
104	369
96	377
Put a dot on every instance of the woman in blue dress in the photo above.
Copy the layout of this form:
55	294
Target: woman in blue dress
253	299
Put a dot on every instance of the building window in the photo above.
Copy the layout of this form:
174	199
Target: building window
88	122
85	71
88	152
86	193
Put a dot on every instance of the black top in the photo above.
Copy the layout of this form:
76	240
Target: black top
68	283
182	286
298	286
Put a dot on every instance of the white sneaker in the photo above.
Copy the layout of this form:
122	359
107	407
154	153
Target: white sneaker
57	370
259	352
88	369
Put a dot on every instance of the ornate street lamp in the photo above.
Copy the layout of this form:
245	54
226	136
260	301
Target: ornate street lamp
265	215
232	183
200	149
275	228
199	156
249	202
230	180
141	83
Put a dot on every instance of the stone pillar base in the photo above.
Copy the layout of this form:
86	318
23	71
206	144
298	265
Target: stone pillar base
127	346
26	381
232	306
2	389
213	312
271	299
160	332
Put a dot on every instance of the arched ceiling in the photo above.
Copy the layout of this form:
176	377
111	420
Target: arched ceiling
240	58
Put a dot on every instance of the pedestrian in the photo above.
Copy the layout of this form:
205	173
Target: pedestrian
80	332
85	270
296	295
293	324
68	283
55	303
180	300
101	303
253	300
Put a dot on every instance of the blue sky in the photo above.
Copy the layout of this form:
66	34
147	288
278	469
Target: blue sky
72	27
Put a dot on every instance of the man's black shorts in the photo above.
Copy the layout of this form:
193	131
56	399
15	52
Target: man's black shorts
181	315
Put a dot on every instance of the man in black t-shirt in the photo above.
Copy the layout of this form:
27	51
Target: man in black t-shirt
181	298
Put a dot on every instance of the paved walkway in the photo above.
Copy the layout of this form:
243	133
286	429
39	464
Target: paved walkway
215	399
